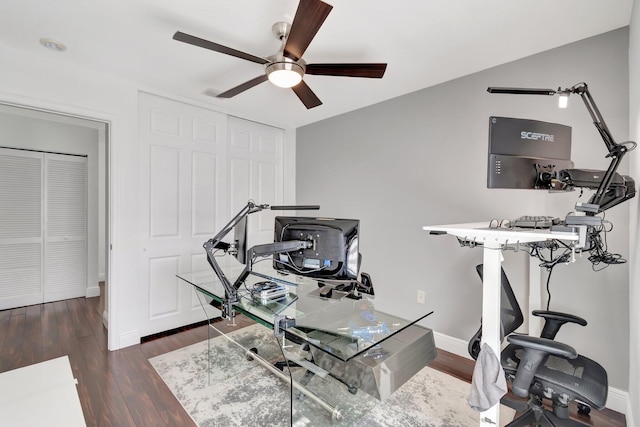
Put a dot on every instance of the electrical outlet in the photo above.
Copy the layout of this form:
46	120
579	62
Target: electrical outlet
420	297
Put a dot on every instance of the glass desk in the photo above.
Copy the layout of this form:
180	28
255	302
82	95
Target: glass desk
346	338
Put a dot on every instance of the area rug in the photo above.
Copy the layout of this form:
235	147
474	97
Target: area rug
236	391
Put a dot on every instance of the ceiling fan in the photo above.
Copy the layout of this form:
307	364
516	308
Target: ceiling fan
286	68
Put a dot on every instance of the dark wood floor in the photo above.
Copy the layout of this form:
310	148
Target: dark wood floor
120	388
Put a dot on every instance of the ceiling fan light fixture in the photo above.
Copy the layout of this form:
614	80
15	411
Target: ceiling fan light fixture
285	74
52	44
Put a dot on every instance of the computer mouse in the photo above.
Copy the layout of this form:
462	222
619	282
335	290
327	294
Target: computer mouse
326	291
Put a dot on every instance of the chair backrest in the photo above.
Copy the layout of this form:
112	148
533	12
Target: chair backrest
510	313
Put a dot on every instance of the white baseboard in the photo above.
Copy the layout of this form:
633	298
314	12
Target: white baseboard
128	339
102	277
629	414
617	400
451	344
92	291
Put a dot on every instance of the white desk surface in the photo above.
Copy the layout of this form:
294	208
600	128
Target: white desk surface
43	394
482	232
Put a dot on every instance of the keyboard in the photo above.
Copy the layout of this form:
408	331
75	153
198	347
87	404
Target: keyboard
527	221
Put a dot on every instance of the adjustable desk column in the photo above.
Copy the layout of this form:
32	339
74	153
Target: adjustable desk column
493	241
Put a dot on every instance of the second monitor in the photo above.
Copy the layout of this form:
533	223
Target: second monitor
334	254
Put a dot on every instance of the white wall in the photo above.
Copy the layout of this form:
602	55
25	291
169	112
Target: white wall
421	159
49	84
34	130
633	412
44	82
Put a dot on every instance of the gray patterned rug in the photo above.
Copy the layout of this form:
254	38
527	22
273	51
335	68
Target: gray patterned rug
240	392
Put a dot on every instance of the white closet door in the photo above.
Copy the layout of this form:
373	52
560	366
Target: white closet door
182	205
256	173
21	260
65	255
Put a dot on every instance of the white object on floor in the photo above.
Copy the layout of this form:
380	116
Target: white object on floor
43	394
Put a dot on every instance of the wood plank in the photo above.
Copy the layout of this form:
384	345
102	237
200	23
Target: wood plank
5	316
99	387
162	401
78	314
51	346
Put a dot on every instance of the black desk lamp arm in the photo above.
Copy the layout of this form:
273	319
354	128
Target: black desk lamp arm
616	151
211	245
215	243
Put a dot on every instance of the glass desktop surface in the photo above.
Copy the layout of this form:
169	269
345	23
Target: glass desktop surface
341	326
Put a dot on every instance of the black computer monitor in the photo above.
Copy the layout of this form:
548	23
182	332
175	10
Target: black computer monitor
523	153
334	254
240	240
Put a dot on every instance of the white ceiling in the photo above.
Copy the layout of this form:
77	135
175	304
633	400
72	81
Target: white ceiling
424	42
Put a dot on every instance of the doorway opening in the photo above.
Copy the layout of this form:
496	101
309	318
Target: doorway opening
25	129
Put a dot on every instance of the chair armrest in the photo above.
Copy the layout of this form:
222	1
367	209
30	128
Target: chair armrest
544	345
536	351
553	320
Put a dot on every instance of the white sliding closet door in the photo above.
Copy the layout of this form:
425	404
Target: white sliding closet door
182	204
21	242
65	256
255	172
43	227
197	169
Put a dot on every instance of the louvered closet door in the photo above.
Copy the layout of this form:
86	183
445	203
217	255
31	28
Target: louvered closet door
21	261
65	252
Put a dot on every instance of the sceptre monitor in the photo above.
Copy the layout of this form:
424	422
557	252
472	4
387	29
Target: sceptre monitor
334	254
522	152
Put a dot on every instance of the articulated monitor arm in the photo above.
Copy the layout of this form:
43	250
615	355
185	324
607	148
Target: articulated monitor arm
216	243
266	250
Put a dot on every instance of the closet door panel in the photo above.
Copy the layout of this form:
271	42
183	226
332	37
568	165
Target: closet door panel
65	227
256	172
182	181
21	258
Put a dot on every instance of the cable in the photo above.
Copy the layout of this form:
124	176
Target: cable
550	270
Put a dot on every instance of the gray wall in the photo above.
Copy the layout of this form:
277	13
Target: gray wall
420	159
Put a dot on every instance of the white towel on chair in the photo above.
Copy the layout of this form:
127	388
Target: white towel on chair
488	384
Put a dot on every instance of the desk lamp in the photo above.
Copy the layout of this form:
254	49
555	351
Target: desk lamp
216	243
611	188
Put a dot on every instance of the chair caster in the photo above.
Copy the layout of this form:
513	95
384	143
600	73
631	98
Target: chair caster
583	409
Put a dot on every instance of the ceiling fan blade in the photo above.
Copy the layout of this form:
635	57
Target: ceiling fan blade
197	41
306	95
309	18
375	71
242	87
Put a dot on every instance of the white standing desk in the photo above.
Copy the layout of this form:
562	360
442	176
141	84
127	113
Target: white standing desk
493	241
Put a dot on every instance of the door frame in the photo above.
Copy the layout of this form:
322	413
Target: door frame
109	196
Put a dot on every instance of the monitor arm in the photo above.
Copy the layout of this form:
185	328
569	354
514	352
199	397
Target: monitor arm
216	243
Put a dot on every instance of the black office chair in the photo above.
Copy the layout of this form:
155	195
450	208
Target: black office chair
540	368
